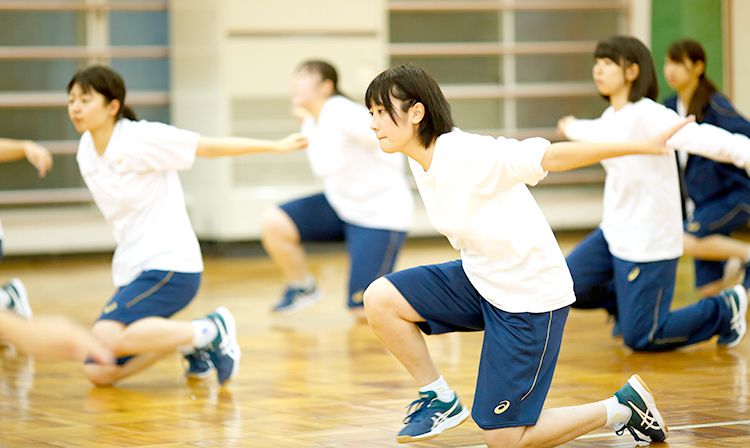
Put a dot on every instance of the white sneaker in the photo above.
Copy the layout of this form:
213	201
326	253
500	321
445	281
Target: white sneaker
736	300
19	299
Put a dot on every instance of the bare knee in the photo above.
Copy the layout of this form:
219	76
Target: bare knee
110	335
378	297
101	376
689	244
506	438
275	223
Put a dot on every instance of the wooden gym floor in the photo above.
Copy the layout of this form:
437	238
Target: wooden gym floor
317	379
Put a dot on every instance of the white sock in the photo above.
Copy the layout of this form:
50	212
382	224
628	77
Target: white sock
4	299
186	349
204	331
305	284
441	388
617	413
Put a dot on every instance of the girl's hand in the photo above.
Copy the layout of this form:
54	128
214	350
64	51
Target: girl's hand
291	142
38	156
563	123
660	141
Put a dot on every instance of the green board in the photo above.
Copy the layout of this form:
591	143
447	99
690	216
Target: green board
697	19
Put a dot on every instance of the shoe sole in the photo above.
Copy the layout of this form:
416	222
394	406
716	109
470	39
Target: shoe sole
24	310
640	386
300	305
199	376
231	335
450	423
742	293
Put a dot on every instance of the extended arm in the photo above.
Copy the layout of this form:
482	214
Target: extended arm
37	155
236	146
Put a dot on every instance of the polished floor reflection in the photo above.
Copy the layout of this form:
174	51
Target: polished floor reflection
318	379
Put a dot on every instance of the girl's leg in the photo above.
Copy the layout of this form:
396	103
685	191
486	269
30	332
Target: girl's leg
590	265
281	240
135	323
644	292
433	299
715	247
150	334
102	376
372	254
554	427
394	320
284	229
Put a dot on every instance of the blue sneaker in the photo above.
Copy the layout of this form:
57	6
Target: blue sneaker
428	417
645	418
19	300
295	299
199	364
224	350
736	300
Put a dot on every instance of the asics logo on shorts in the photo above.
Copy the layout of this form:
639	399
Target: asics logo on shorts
502	407
634	273
110	307
358	297
648	421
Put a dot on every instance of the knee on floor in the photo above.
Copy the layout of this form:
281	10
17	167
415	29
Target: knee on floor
101	376
504	438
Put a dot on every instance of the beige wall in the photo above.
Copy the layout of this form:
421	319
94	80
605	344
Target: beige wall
740	17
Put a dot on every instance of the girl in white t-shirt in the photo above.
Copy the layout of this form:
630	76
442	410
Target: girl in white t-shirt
511	281
366	199
13	295
131	167
628	265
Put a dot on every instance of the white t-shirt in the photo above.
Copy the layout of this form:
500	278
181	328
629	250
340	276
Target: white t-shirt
137	189
642	219
364	185
474	194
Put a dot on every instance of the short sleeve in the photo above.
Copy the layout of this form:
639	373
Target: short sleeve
161	147
493	165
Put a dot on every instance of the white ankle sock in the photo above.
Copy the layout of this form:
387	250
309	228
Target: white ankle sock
204	331
4	299
305	284
617	413
441	388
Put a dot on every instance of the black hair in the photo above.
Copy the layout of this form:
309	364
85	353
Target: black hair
625	51
326	71
689	49
105	81
412	85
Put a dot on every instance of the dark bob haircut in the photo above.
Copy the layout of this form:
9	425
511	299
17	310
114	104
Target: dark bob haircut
626	50
411	85
105	81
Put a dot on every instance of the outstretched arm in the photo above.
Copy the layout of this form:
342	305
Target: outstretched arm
565	156
37	155
237	146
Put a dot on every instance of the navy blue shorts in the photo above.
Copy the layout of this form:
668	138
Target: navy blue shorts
372	252
153	294
640	295
519	352
722	216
